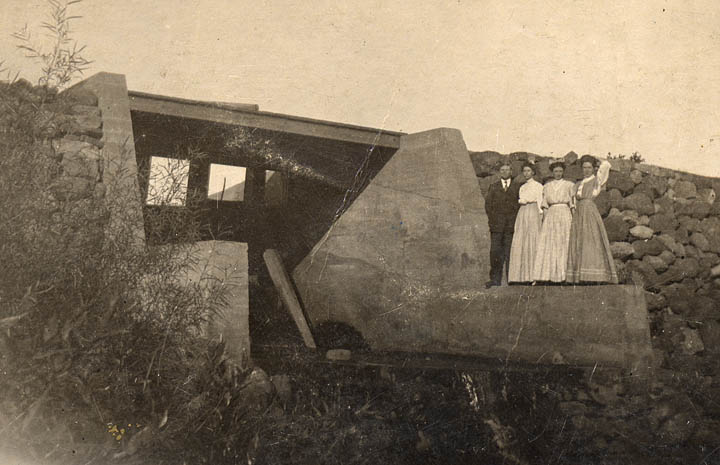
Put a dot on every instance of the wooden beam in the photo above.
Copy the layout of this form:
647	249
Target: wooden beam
242	116
282	282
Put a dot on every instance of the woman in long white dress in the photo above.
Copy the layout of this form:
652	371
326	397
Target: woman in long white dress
552	250
590	259
527	228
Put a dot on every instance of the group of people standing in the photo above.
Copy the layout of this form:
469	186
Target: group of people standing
550	233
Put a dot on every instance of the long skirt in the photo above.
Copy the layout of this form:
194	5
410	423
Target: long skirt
552	250
589	256
524	244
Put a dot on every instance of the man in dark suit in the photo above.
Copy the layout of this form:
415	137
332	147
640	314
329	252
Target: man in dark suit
501	205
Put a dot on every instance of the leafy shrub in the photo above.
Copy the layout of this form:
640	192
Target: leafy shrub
101	347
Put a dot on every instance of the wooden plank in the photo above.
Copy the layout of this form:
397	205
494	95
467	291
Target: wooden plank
282	282
264	120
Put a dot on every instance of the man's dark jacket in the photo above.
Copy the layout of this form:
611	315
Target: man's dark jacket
502	206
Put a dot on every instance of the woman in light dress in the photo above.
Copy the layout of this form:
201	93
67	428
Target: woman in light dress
527	228
552	249
590	259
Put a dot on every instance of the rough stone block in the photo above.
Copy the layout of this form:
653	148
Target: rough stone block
707	195
663	222
685	190
641	232
697	209
641	203
710	334
620	181
658	264
636	176
602	201
700	241
651	246
69	147
616	198
621	250
617	229
78	167
665	205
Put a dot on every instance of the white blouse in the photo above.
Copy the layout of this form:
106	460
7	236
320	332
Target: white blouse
600	179
531	192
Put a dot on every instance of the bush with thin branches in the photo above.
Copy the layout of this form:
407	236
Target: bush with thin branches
102	347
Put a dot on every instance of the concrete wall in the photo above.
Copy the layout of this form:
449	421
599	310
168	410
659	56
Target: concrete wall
224	265
404	266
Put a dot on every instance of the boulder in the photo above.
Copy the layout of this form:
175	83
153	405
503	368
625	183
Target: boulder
283	387
602	201
680	302
338	354
641	232
690	223
643	220
700	241
616	198
653	186
641	273
691	251
631	217
614	211
570	158
707	195
710	335
636	176
685	190
663	222
658	264
668	241
664	205
667	256
654	301
621	250
617	229
682	268
702	310
639	202
692	342
573	172
620	181
710	227
681	235
695	208
257	391
715	271
647	247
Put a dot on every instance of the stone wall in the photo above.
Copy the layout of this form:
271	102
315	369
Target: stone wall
67	137
664	229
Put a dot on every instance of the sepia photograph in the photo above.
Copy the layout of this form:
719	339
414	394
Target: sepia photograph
359	232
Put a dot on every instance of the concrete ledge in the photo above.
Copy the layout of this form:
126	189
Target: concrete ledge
580	325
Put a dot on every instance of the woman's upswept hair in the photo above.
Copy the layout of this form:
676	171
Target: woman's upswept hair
527	164
588	159
556	164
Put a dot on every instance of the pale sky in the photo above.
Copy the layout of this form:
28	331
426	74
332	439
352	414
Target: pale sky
513	75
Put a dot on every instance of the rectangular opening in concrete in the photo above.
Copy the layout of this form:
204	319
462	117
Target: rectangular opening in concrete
167	181
226	182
